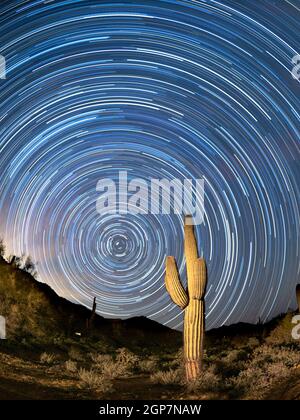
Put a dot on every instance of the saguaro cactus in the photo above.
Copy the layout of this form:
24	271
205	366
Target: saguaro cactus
192	300
89	321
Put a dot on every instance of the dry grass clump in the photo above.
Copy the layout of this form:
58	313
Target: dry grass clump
105	365
92	380
99	360
178	358
47	358
75	354
282	333
71	366
170	377
148	365
126	358
124	363
208	381
253	342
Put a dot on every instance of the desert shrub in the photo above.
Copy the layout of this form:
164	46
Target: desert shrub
91	380
148	365
58	340
124	362
170	377
47	358
178	359
29	267
230	364
126	357
208	381
282	333
247	373
268	365
253	342
113	370
228	370
274	354
239	341
15	261
75	354
99	359
71	366
104	346
255	381
234	362
105	364
235	356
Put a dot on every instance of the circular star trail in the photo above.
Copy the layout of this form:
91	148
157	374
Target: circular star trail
160	89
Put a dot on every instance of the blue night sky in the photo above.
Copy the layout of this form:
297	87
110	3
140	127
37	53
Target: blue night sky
161	89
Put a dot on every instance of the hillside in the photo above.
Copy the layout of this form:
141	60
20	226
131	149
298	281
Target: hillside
33	311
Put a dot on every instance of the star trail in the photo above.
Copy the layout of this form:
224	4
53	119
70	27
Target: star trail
160	89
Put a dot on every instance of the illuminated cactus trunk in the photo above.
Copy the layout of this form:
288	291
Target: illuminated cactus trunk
191	301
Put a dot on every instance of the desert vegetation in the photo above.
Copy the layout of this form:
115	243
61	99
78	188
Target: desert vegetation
248	368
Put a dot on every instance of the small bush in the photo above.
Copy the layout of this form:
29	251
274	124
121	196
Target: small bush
125	361
91	380
100	360
253	342
170	377
76	355
179	357
208	381
47	358
105	365
275	354
71	366
232	356
268	365
149	365
126	357
282	333
113	370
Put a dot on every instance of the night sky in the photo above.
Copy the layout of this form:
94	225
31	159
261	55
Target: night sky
161	89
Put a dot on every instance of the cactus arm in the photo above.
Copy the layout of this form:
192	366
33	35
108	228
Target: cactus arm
173	284
190	249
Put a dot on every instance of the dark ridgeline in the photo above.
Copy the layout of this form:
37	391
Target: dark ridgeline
34	311
298	296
